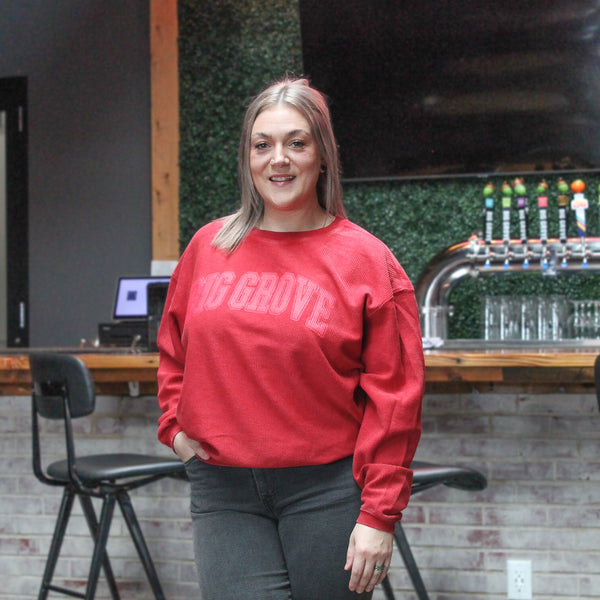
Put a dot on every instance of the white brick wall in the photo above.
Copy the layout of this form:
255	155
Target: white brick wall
539	449
28	508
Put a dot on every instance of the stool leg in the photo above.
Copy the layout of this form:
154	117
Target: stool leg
59	533
387	589
140	543
108	507
92	521
411	564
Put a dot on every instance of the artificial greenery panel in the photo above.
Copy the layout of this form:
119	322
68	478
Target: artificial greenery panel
228	51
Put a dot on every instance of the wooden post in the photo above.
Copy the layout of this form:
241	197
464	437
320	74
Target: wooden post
164	75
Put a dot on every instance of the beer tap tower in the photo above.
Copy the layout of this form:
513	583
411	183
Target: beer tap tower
477	255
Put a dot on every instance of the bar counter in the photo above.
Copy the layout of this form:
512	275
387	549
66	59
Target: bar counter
126	372
526	417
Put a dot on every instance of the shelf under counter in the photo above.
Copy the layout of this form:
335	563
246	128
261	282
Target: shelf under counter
122	372
114	371
568	362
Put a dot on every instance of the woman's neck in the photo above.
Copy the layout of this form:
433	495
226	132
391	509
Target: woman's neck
293	221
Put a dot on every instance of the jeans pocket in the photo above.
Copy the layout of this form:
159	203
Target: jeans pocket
190	461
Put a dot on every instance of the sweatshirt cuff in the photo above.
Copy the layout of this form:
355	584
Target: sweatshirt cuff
166	435
370	520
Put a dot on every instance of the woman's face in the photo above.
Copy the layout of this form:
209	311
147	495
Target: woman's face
285	163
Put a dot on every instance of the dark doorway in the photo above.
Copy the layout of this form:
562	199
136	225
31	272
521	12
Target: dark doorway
14	259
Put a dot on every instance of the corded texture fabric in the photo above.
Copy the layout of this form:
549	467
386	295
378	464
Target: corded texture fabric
299	348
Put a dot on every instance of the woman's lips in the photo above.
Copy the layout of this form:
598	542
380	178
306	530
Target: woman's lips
281	178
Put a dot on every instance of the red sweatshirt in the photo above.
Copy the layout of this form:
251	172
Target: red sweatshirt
296	349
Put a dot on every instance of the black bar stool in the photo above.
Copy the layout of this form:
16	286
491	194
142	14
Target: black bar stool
62	389
425	476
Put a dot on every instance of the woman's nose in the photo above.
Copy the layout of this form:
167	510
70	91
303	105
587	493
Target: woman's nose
279	156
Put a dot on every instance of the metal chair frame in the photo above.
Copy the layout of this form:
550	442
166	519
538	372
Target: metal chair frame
427	475
62	389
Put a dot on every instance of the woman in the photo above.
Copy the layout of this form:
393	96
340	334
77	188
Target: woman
291	373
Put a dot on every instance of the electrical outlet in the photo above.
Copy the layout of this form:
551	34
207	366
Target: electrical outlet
519	579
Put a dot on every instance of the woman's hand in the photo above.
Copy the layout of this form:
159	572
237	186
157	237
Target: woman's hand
186	448
368	548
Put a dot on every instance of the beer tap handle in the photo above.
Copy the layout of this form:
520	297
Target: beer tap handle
580	204
542	200
506	202
563	207
522	210
488	221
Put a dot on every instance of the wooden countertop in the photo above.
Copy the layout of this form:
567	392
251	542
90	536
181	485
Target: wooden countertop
113	372
124	372
557	364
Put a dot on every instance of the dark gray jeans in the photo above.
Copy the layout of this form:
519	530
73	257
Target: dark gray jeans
273	534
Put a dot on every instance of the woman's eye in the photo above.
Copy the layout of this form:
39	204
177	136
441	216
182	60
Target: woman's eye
297	144
261	145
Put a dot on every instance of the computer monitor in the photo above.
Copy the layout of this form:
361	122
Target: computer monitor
131	299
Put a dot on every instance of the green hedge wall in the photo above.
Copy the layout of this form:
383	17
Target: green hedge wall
229	50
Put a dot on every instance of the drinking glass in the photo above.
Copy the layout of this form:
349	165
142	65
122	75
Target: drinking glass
529	318
510	318
585	319
490	318
553	318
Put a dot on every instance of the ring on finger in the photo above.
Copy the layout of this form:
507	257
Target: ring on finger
379	567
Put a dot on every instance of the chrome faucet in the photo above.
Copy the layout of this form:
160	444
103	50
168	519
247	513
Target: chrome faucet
475	257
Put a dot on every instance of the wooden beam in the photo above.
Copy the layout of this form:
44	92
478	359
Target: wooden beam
164	75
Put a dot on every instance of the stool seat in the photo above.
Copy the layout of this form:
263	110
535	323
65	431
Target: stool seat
98	468
426	475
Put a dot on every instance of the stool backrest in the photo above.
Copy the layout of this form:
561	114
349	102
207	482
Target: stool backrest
56	377
62	389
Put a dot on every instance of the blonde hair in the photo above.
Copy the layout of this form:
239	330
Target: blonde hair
312	105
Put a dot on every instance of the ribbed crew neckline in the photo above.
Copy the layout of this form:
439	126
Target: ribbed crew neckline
285	235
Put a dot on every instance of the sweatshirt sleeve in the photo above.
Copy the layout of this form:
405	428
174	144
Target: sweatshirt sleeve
170	368
393	382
